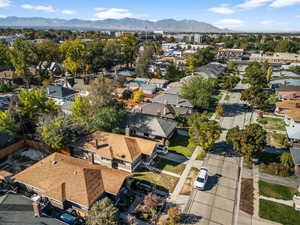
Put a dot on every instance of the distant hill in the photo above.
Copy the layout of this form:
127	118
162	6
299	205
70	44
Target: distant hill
127	24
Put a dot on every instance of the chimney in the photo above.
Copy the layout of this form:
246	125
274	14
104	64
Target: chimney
96	143
36	208
127	131
91	158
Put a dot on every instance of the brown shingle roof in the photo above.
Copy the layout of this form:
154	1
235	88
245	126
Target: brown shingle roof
62	177
117	146
288	104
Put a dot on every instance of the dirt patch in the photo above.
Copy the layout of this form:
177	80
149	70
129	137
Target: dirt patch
247	196
188	184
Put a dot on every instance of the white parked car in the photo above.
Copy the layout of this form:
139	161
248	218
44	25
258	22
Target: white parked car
201	179
161	149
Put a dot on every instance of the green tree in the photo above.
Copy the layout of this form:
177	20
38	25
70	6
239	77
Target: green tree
198	91
8	123
286	46
81	109
255	75
228	82
250	141
130	48
204	132
256	97
103	213
204	56
72	51
5	60
109	119
59	132
173	73
22	57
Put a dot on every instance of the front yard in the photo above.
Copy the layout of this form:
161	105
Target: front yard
272	123
163	180
169	165
180	145
188	183
277	212
276	191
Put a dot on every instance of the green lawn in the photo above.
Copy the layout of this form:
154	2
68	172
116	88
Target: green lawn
272	123
280	213
169	165
180	144
276	191
166	181
201	155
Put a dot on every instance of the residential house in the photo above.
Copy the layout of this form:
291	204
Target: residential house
288	92
173	100
60	94
229	53
291	110
162	110
115	150
18	209
160	83
276	58
283	81
69	182
125	72
151	127
148	88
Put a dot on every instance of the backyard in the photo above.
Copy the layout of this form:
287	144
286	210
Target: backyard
180	145
276	191
272	123
169	165
279	141
163	180
277	212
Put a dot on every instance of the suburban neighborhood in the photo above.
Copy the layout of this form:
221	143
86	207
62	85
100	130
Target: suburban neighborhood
120	126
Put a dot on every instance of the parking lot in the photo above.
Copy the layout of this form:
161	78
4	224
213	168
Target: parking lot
216	204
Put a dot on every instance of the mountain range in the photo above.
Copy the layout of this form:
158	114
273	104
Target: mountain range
126	24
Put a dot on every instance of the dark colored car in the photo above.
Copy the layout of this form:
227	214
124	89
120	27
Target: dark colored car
68	218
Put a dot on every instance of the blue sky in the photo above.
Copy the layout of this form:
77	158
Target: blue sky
247	15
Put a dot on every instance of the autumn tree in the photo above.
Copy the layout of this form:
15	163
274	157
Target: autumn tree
103	213
203	132
22	57
101	92
198	91
174	216
137	96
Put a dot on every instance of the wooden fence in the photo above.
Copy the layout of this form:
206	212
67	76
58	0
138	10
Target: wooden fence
31	144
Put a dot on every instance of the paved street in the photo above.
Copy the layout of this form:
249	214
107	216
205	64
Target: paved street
217	205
